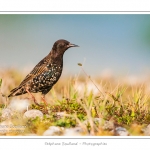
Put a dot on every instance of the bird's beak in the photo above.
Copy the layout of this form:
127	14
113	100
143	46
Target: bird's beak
72	45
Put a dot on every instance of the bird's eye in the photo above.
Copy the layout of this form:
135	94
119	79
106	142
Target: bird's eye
61	45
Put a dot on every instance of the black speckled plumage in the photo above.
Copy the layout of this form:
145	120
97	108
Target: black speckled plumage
46	73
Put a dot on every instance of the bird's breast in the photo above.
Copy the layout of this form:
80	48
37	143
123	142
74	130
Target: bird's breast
53	68
47	79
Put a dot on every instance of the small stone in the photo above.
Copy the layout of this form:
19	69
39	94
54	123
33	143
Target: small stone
108	125
6	114
60	115
77	131
120	131
54	131
147	130
33	114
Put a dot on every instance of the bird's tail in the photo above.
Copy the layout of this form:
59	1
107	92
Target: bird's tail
17	91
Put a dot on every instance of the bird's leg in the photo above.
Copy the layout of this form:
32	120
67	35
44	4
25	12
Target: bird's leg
32	97
43	99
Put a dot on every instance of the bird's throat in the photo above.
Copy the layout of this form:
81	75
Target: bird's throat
56	57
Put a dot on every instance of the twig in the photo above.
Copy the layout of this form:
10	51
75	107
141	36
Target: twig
79	64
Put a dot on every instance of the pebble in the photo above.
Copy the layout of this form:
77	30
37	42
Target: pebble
120	131
6	114
54	131
147	130
60	115
33	114
77	131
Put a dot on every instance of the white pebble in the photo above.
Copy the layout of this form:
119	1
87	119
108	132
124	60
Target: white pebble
77	131
120	131
33	114
54	131
7	113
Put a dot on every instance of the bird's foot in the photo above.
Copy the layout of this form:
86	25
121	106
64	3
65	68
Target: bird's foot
37	103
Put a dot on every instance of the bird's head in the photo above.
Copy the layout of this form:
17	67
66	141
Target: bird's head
61	46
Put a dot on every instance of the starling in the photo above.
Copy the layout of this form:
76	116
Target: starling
46	73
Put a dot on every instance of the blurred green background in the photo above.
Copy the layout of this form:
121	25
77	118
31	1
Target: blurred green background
116	42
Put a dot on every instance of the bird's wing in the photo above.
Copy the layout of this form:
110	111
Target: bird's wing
38	69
